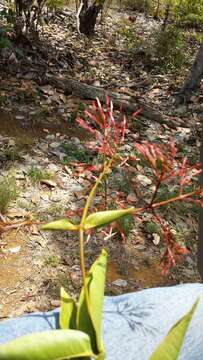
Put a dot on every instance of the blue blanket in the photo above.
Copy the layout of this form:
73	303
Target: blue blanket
133	324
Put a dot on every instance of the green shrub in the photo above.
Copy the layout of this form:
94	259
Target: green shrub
192	20
168	48
52	260
8	192
75	153
190	12
129	36
36	174
126	223
55	5
139	5
4	40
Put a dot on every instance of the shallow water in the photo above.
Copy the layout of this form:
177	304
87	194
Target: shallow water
28	129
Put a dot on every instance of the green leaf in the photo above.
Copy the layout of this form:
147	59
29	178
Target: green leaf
84	321
68	310
96	293
95	284
62	224
171	345
49	345
159	164
105	217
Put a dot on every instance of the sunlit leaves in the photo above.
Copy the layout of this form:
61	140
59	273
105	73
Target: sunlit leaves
49	345
62	224
95	284
170	347
68	311
105	217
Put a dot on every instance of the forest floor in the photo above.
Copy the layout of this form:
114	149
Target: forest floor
38	131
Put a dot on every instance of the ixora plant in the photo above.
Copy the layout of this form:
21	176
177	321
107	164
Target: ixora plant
80	335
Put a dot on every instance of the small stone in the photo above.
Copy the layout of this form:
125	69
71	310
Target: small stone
50	137
120	283
132	198
48	182
144	180
156	239
190	261
75	140
44	147
54	145
53	168
140	247
11	142
55	303
14	250
126	148
19	117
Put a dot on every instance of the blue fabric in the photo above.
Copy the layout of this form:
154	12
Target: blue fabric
133	324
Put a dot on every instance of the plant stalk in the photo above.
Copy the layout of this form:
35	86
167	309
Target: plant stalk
81	231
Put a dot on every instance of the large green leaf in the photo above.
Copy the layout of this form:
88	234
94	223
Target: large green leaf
95	285
105	217
49	345
171	345
84	320
96	293
62	224
68	310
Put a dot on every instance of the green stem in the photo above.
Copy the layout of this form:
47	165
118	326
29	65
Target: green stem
92	192
82	267
81	230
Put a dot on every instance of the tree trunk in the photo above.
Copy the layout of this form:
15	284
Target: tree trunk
200	241
88	17
194	77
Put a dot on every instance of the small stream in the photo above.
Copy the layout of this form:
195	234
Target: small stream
26	130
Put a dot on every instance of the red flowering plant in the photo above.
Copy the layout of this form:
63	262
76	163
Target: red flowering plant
109	135
108	132
80	334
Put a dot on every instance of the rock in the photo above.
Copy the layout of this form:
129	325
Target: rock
14	250
120	283
126	148
156	239
19	117
55	303
13	213
190	261
11	142
75	140
44	147
47	90
50	137
140	247
53	168
49	183
131	198
59	154
54	145
144	180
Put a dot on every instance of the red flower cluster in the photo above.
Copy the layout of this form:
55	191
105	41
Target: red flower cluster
108	132
162	160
